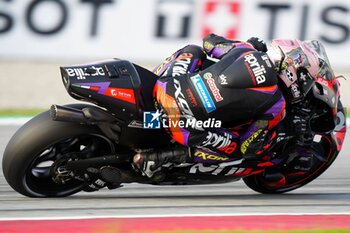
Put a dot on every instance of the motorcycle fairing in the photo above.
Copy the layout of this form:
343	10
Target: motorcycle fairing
104	88
114	84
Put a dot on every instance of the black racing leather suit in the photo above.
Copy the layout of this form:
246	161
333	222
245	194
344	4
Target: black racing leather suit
240	91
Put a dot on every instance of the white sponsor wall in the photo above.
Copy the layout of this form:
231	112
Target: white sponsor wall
152	29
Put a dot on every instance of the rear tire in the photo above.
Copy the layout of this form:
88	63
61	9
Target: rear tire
36	145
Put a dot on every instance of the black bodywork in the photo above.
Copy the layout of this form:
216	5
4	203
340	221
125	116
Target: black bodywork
94	83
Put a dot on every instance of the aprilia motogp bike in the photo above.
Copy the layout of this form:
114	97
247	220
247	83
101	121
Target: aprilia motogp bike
72	148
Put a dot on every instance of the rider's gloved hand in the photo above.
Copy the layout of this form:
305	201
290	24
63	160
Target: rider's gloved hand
258	44
217	46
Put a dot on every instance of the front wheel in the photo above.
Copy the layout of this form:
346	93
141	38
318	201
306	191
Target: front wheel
37	145
328	147
296	180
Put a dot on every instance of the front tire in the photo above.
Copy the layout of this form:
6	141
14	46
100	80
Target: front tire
38	144
329	147
295	181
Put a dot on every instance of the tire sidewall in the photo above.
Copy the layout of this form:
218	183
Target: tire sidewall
30	140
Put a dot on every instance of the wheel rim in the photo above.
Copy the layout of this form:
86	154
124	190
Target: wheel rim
38	180
302	179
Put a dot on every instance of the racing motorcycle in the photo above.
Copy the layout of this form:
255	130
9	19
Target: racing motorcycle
67	149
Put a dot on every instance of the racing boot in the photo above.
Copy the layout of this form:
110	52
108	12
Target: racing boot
150	163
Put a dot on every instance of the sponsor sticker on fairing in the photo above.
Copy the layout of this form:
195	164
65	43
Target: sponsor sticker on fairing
246	143
123	94
209	156
191	97
212	86
223	142
82	73
256	70
223	79
203	93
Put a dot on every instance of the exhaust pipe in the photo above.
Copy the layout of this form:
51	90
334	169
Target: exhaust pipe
63	113
97	161
89	116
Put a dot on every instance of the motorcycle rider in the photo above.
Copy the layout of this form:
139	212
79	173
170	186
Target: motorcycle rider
241	85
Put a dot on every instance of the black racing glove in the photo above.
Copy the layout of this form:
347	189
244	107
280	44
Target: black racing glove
258	44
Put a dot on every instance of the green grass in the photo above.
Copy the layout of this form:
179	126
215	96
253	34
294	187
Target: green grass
9	112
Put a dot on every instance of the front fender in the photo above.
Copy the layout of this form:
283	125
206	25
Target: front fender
340	129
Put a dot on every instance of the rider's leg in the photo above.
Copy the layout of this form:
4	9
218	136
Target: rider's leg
186	60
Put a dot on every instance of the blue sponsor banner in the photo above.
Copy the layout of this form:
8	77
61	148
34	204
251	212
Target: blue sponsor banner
203	93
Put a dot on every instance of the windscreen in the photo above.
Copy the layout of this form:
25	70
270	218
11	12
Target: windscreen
325	71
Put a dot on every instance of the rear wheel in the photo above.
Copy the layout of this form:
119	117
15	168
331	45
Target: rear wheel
40	145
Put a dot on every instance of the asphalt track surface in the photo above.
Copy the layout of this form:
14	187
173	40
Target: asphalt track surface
329	194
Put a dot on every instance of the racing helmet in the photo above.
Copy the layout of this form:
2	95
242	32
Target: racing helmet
304	64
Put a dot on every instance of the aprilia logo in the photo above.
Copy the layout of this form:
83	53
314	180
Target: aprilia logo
257	69
223	143
82	73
